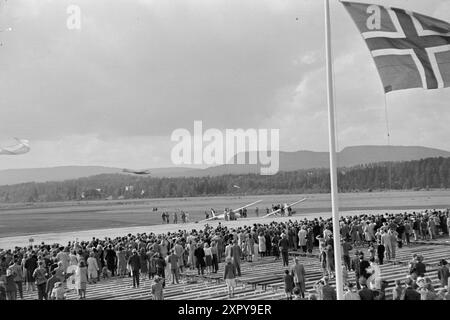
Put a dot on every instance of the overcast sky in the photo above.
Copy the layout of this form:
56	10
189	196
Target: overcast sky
112	92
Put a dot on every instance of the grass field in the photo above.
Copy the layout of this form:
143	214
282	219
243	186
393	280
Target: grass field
22	220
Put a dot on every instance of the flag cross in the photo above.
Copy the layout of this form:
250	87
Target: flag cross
412	39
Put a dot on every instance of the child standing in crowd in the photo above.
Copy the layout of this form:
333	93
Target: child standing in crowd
157	289
288	284
58	292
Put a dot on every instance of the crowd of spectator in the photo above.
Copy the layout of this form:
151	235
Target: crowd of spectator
46	268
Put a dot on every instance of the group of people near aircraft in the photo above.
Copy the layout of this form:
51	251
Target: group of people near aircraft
234	214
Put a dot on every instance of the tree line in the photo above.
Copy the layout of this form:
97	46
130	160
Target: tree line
409	175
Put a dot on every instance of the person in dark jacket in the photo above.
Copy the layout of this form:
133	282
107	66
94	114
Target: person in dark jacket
284	246
199	254
365	293
418	267
288	284
135	265
30	265
236	254
111	259
363	265
381	294
160	268
410	293
380	252
328	292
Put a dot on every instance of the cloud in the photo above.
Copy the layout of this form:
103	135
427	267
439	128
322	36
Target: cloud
139	69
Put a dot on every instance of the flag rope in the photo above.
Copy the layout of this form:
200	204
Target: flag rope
388	133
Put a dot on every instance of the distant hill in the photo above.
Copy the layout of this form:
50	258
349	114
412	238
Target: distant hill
426	174
289	161
348	157
14	176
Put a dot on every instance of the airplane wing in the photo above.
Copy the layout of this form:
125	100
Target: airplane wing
214	217
246	206
20	148
272	213
299	201
209	219
290	205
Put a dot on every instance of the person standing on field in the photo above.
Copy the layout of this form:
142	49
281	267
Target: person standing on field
298	272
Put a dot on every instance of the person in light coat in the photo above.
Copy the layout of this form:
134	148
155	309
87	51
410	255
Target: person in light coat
374	279
302	238
298	272
262	245
92	268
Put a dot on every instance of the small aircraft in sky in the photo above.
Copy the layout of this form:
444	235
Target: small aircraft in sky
139	172
285	208
226	214
23	146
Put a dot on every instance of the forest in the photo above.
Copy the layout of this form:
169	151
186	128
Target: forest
409	175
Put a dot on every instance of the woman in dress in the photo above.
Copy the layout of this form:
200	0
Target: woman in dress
81	279
92	268
250	243
191	260
208	258
153	258
262	245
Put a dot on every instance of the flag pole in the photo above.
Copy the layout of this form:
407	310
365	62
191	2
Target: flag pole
332	143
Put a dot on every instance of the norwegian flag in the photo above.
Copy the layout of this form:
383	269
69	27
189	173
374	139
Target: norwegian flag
410	50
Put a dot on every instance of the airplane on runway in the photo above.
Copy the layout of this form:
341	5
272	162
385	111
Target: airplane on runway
284	209
228	214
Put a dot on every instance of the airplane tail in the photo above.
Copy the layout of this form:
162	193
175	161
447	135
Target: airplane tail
213	213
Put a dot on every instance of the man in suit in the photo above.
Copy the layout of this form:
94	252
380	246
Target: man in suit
298	272
284	247
135	264
236	254
363	265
